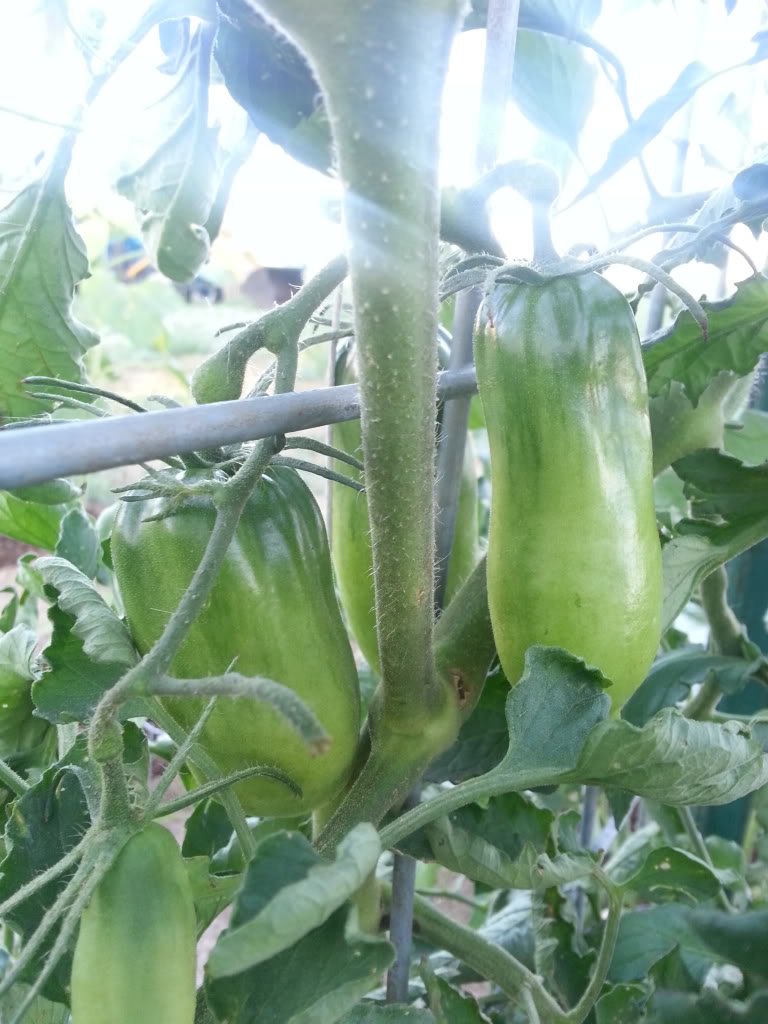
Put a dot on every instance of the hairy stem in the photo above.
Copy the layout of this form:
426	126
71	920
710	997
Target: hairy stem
489	960
581	1010
382	77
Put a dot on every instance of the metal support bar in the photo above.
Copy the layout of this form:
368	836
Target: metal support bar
37	454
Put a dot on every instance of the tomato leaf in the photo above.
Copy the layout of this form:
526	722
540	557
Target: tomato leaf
668	875
42	1011
448	1004
673	674
625	1003
674	760
748	440
176	187
718	485
551	711
738	335
503	845
646	936
395	1013
104	637
271	80
78	542
75	682
648	125
30	523
47	821
42	259
483	739
319	978
211	893
553	84
740	939
287	882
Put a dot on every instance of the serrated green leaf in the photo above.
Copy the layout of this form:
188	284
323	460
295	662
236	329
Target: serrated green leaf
42	259
553	83
674	760
551	711
29	523
74	683
47	821
175	189
211	893
20	731
738	335
288	891
483	739
673	674
104	637
41	1011
739	939
448	1005
371	1013
748	441
668	874
318	979
623	1004
503	846
646	936
648	124
78	542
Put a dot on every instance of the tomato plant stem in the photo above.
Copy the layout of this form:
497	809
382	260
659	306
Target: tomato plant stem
489	960
383	78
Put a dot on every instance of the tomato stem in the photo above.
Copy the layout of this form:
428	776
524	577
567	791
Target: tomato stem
488	959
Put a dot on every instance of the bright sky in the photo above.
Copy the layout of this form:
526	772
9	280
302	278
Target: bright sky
278	208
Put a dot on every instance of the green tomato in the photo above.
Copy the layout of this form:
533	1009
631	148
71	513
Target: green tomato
272	612
352	555
574	558
135	953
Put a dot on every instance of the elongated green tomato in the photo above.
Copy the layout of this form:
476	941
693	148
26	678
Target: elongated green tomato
272	612
352	556
573	553
135	953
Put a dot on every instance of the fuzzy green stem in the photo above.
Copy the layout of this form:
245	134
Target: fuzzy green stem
49	875
493	783
701	850
390	772
489	960
382	69
215	787
581	1010
176	762
14	782
220	377
727	633
207	768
